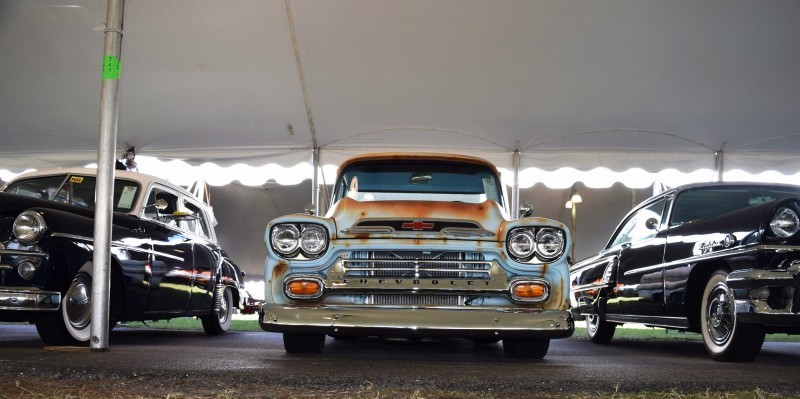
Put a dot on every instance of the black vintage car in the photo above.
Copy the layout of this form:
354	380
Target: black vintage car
720	259
165	261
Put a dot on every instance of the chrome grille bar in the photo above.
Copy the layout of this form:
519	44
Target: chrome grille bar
418	264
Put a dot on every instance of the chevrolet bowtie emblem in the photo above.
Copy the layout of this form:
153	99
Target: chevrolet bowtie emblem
417	225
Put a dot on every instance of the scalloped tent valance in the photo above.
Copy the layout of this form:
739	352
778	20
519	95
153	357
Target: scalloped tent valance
579	84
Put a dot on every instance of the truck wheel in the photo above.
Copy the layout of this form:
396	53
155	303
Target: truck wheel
724	336
218	322
303	343
599	330
526	348
71	325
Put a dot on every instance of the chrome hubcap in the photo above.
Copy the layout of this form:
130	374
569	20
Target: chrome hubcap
223	308
720	315
78	304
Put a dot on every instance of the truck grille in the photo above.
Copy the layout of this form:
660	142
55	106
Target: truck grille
415	300
417	264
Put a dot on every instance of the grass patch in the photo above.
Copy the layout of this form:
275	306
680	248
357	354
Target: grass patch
191	323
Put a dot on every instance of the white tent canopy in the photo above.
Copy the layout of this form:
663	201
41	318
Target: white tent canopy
581	84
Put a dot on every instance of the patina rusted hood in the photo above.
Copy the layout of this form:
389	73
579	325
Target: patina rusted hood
424	219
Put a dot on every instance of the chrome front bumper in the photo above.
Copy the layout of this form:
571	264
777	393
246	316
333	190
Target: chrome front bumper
757	311
31	299
395	321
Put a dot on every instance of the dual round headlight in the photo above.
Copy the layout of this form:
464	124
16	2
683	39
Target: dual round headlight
546	243
289	239
29	227
785	223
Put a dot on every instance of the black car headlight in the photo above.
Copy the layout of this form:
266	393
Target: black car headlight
291	239
785	223
29	227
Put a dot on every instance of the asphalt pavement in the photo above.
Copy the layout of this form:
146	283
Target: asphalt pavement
236	359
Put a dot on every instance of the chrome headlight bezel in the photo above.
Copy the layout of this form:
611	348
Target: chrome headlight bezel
285	239
313	240
29	227
785	222
521	243
544	239
525	243
291	240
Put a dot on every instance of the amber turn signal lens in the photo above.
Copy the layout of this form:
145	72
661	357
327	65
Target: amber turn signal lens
529	290
303	287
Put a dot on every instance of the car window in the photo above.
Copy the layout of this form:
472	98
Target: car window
708	202
77	190
422	181
160	197
641	225
195	222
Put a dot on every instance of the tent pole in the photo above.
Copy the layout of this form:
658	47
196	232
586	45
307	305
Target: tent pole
315	180
515	186
109	96
719	165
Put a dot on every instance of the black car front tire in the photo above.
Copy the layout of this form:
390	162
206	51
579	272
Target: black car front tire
724	336
218	322
72	323
599	330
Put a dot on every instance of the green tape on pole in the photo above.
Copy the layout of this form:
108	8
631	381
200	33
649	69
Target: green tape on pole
111	65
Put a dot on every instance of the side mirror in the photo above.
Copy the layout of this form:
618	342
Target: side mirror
160	204
651	224
525	209
310	209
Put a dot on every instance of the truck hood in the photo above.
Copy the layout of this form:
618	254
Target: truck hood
417	219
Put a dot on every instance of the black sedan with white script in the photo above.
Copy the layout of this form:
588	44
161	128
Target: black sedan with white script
165	261
719	259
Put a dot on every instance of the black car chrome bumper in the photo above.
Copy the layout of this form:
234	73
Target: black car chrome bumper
757	310
392	321
20	299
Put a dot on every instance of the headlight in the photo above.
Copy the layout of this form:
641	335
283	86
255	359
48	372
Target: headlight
285	239
785	223
29	227
313	239
549	244
521	243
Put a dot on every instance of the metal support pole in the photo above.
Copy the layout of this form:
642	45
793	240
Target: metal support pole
315	180
719	165
515	186
107	143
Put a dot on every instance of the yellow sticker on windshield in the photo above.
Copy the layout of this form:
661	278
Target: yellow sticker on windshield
76	179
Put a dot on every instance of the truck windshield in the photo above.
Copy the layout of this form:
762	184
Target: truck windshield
75	190
418	181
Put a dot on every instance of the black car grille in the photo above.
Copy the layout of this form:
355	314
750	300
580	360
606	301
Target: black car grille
417	264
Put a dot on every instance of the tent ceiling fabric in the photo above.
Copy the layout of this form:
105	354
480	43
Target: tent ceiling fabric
582	84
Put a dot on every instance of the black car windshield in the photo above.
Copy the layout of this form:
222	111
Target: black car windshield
75	190
708	202
418	181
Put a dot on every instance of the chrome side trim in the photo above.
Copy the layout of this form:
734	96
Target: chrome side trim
18	252
29	300
73	237
367	230
717	255
466	232
693	259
